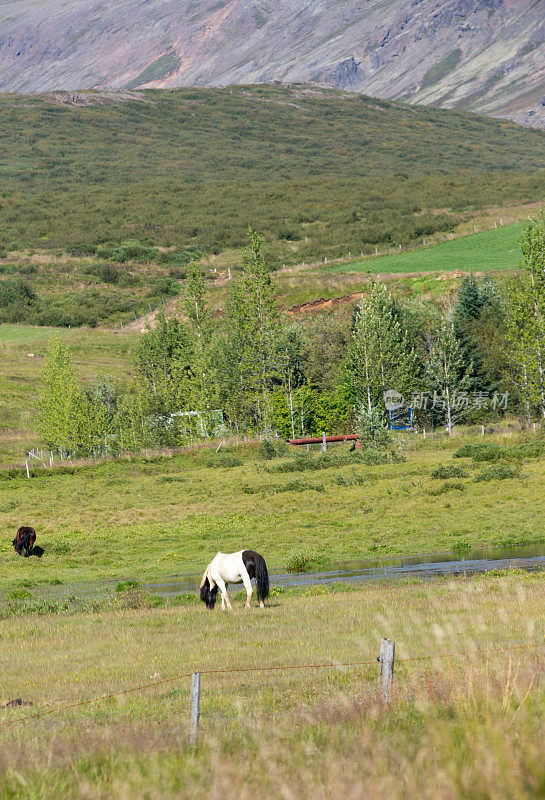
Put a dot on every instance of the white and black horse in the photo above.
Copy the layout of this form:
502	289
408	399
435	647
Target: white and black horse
238	567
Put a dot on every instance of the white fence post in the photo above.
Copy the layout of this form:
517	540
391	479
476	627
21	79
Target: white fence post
324	443
386	658
195	708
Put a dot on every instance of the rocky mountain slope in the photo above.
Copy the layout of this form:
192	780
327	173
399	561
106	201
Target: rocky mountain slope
482	55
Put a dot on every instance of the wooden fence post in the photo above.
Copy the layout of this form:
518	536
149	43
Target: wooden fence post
386	658
195	708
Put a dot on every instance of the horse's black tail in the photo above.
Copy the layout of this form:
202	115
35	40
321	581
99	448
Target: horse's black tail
261	578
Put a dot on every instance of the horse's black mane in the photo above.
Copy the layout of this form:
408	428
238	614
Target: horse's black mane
209	595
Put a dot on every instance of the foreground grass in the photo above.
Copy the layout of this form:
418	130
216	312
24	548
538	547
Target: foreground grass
151	517
468	724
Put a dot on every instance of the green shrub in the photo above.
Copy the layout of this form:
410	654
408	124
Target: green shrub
299	562
269	450
126	586
16	290
497	472
19	594
449	471
354	479
480	451
308	463
225	460
448	486
298	485
534	449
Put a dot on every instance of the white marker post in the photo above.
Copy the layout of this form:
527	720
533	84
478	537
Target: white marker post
195	708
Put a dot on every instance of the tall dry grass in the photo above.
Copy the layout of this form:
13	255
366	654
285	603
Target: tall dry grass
467	722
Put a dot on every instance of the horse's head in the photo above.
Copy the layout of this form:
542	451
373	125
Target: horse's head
208	594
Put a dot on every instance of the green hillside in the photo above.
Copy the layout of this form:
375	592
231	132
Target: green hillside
497	249
318	172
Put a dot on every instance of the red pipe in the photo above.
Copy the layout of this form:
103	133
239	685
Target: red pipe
350	437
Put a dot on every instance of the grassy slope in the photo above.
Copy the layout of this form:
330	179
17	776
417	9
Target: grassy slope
59	283
152	519
331	171
496	249
461	726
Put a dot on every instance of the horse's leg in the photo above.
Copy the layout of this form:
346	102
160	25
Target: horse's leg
224	595
248	586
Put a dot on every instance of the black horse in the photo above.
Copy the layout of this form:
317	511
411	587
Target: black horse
24	540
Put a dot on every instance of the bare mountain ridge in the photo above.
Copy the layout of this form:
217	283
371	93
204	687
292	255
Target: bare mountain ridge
482	55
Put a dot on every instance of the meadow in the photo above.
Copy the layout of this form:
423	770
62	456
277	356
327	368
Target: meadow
106	665
466	718
154	516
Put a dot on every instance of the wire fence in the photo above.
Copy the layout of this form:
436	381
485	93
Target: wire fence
298	672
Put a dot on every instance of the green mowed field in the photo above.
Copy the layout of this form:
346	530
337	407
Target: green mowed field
496	249
11	334
153	517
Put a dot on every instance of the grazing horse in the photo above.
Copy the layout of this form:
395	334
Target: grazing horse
24	540
238	567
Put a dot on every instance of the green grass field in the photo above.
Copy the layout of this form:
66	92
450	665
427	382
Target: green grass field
493	250
27	334
151	518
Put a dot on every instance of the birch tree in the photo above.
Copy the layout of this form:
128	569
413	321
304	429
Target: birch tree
380	354
532	243
253	330
446	373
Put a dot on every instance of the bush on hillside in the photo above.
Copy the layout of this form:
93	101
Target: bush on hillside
480	451
449	471
269	450
497	472
224	460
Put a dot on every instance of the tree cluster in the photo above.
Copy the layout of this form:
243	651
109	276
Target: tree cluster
200	375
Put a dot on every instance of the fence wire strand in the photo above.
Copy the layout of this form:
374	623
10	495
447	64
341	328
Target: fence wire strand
267	668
